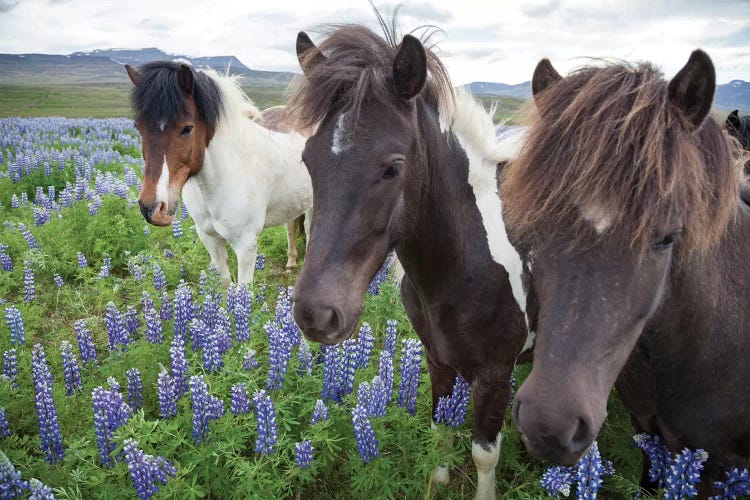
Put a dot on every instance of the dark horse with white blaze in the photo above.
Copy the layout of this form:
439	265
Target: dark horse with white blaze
400	161
625	198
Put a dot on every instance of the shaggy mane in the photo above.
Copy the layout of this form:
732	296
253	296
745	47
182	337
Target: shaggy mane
358	67
608	139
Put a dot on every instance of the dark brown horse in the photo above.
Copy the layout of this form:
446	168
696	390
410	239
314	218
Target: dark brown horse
625	195
398	160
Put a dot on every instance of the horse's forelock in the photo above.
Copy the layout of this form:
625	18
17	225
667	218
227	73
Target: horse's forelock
608	137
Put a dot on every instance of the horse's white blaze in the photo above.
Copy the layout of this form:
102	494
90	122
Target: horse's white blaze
485	460
598	216
338	143
162	186
161	126
475	132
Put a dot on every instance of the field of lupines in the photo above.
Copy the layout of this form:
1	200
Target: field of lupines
128	371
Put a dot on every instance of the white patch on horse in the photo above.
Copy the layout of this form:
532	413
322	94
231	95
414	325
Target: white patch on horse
162	125
440	473
338	143
485	459
162	186
598	216
530	338
475	132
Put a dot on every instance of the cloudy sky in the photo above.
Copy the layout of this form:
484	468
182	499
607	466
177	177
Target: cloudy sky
495	40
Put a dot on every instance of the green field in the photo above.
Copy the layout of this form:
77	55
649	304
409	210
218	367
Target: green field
102	101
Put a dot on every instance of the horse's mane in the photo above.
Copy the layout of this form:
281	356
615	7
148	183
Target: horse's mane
608	139
358	66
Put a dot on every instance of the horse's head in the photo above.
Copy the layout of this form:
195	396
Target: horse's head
175	111
739	127
361	96
622	178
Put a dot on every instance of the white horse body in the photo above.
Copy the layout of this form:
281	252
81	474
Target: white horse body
251	178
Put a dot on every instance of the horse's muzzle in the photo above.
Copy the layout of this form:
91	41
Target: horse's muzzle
156	213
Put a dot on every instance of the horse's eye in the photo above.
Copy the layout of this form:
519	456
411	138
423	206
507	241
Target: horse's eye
186	130
393	170
666	242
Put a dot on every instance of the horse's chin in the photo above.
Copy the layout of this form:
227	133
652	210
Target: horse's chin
161	217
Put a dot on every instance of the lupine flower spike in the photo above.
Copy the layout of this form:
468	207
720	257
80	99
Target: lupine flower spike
146	470
303	454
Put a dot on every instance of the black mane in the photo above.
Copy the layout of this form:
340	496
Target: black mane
158	98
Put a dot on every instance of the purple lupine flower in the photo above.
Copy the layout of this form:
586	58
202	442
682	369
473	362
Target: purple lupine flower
82	261
132	321
331	368
137	272
588	474
113	384
147	302
49	425
15	323
735	486
198	334
683	474
165	311
10	367
248	361
411	359
320	412
167	394
11	484
349	363
183	270
260	262
240	403
71	371
41	216
104	271
160	279
146	470
205	408
305	358
168	254
223	330
135	389
451	410
146	230
377	281
6	263
391	332
380	397
210	311
557	481
24	198
59	281
179	364
364	397
14	203
116	331
30	240
95	205
265	416
385	372
260	297
29	288
212	360
512	390
110	412
365	343
367	443
658	454
241	323
202	283
303	454
183	309
85	342
153	327
176	228
40	491
279	353
4	426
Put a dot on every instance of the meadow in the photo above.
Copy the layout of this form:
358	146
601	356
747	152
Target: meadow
68	190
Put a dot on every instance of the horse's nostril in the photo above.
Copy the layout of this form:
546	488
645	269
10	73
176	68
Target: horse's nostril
581	437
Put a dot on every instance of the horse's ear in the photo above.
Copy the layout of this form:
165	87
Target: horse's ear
409	68
308	53
692	89
544	76
733	120
185	79
135	77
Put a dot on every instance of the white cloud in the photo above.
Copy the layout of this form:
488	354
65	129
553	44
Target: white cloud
498	41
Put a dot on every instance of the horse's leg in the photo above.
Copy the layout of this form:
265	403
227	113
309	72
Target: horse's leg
247	251
308	226
441	378
291	241
491	392
217	250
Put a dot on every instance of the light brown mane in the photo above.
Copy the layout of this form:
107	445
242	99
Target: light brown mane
609	137
358	67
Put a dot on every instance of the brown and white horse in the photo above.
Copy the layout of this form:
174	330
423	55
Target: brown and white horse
625	196
236	176
399	161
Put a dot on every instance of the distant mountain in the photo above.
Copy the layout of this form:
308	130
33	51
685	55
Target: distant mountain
106	66
729	96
